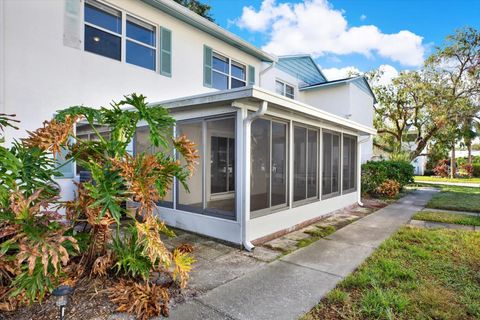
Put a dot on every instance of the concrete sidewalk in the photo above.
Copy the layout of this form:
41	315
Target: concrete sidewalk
292	285
457	184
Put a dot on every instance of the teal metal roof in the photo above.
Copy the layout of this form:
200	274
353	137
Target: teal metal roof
180	12
302	67
360	81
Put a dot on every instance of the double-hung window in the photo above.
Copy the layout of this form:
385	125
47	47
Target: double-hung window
141	43
285	89
105	36
227	73
103	30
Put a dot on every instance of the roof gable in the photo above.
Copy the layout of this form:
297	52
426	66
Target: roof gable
360	81
302	67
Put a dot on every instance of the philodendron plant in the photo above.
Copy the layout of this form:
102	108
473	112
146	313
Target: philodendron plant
116	177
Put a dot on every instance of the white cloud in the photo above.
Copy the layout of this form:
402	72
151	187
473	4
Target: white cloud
363	17
387	73
340	73
315	27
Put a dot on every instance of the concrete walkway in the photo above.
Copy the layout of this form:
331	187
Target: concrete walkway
442	225
457	184
292	285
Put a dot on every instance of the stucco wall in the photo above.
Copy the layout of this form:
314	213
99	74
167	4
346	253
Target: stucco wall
43	75
272	74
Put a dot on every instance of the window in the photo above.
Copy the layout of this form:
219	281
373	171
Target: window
212	186
268	172
226	73
331	163
349	163
284	89
305	163
103	30
141	43
103	35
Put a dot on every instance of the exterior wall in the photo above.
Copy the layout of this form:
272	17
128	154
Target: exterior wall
345	100
268	78
42	75
286	219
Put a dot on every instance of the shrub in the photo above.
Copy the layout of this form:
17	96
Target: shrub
374	173
466	170
476	170
442	169
389	188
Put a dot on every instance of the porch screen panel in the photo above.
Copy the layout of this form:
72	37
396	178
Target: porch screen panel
335	163
327	163
192	200
299	163
312	164
220	149
349	163
260	165
279	164
142	144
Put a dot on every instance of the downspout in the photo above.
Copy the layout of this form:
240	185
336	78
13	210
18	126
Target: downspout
263	71
359	170
247	151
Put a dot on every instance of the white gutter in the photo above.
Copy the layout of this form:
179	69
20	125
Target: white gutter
359	170
246	179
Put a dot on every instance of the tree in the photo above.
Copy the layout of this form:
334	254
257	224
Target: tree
436	100
198	7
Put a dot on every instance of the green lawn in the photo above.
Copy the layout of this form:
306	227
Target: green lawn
456	198
416	274
447	217
439	179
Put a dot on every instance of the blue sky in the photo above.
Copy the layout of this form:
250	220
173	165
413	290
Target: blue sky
372	32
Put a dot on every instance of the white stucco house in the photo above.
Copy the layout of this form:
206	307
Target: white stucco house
280	145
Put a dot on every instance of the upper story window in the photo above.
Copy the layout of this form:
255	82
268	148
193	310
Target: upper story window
227	73
104	35
284	89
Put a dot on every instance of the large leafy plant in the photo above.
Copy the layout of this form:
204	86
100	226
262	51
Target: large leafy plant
34	246
130	247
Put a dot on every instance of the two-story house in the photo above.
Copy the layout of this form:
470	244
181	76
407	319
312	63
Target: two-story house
280	145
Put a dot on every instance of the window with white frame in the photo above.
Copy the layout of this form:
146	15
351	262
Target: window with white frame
331	163
284	89
227	73
104	35
305	163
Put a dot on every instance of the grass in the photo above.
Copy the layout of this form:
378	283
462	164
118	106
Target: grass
415	274
440	179
447	217
315	235
456	198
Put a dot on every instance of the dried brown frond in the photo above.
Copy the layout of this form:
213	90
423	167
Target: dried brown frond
187	149
153	246
7	302
185	248
183	265
52	136
141	174
102	264
142	299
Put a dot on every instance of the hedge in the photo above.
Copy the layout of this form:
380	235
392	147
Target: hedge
374	173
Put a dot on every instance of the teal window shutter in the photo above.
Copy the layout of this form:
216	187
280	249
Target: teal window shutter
165	52
207	66
251	75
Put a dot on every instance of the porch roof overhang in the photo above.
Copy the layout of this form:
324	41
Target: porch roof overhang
256	94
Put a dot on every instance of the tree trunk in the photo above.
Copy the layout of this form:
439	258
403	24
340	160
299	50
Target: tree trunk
452	163
469	148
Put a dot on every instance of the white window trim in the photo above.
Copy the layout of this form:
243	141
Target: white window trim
123	36
284	90
229	75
